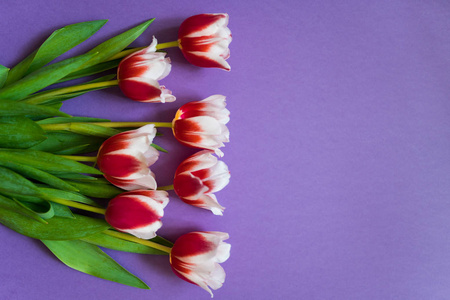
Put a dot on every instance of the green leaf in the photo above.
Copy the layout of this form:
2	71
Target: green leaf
53	194
3	75
159	148
60	141
58	43
48	162
20	133
93	130
11	182
116	44
89	259
38	175
12	108
71	119
97	190
101	67
62	211
43	77
58	228
19	208
111	242
43	209
62	94
79	177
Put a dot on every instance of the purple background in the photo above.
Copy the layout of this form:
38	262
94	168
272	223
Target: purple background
339	152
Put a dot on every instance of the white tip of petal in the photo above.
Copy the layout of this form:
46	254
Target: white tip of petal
146	232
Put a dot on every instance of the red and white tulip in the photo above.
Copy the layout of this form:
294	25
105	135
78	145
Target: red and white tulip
202	124
137	212
138	75
197	179
204	40
125	159
195	257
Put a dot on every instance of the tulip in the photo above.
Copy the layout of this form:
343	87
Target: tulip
195	257
204	39
198	177
125	159
202	124
138	75
137	212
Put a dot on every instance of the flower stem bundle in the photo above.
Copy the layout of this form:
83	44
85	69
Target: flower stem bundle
55	168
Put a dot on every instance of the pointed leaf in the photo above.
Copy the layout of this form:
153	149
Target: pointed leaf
62	211
53	194
78	177
43	77
58	228
48	162
19	133
13	108
101	67
43	209
38	175
97	190
89	259
72	119
3	75
58	141
58	43
11	182
17	207
116	44
111	242
91	129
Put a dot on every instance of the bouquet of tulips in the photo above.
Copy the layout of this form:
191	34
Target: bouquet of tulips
49	177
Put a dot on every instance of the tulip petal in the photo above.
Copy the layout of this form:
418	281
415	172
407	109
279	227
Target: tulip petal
138	75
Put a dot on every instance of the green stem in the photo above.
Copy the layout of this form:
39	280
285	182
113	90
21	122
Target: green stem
71	89
66	126
133	124
79	205
131	238
167	45
165	188
80	158
132	50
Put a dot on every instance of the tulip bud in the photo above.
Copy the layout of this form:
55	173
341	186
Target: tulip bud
138	75
198	177
125	159
202	124
137	212
204	40
195	257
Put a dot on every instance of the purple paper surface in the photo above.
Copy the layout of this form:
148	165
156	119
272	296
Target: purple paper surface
339	152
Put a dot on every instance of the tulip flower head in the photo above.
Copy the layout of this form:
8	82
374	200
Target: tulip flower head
138	75
197	179
195	257
202	124
137	212
204	40
125	159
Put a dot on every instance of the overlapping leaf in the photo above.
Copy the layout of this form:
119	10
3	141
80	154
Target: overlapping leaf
59	42
89	259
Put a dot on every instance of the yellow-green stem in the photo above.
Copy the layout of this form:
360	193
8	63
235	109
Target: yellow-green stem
82	206
165	188
71	89
133	124
66	126
131	238
80	158
132	50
